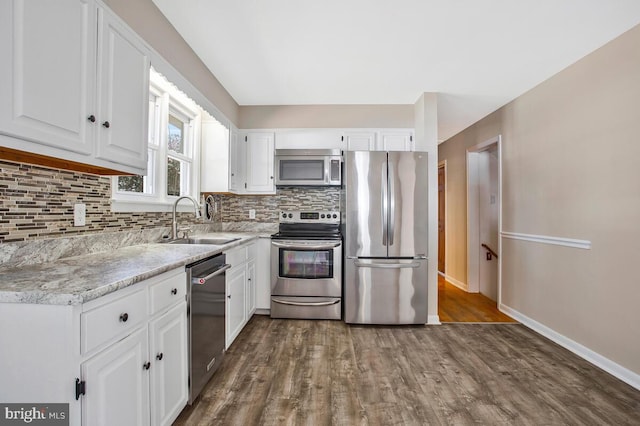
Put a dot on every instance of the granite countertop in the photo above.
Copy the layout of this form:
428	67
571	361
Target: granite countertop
79	279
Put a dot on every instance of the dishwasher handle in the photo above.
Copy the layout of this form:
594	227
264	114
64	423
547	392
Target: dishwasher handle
203	280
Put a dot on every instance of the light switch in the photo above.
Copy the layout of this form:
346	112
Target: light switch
252	214
79	214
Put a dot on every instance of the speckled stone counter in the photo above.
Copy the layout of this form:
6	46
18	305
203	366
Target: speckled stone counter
79	279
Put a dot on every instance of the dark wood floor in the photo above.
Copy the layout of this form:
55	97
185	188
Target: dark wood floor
291	372
456	305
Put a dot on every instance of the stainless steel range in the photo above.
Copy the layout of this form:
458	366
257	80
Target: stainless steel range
306	266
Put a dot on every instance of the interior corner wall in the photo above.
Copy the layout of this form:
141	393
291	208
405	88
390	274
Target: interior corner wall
326	116
149	23
570	150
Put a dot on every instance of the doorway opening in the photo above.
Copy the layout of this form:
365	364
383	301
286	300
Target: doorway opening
484	218
477	300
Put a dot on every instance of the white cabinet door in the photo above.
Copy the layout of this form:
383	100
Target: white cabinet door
360	141
251	289
47	72
263	274
214	156
235	306
310	139
399	140
237	159
117	384
123	93
260	160
169	373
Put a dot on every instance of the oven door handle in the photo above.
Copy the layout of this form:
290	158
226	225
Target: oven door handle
305	246
288	302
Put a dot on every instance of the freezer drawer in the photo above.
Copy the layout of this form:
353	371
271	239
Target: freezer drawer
306	307
385	291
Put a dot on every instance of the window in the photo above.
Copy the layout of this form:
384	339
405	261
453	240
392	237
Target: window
172	169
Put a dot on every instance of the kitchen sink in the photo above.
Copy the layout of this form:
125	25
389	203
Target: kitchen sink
203	240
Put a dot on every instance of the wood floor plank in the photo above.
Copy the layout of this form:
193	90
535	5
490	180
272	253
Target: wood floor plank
293	372
456	305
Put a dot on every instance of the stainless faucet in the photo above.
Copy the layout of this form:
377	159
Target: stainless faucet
174	224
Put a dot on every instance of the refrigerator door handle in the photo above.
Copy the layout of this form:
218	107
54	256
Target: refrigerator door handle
392	203
385	203
388	265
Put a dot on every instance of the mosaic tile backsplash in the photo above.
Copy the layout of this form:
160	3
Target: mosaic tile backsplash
37	203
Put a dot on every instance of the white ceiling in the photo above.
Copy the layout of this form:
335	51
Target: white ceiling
477	54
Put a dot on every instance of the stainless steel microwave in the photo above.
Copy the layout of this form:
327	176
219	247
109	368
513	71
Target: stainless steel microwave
308	167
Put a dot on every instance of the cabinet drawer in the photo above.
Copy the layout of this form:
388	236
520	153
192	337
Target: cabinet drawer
113	319
236	256
167	291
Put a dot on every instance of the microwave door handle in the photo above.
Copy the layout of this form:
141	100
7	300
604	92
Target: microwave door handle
384	205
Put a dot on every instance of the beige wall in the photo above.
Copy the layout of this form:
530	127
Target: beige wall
145	19
326	116
571	149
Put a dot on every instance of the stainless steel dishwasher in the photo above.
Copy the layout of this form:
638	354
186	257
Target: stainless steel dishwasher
206	319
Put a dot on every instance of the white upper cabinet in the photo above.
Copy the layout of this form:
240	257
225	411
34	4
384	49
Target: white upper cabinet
70	67
260	163
380	140
251	162
395	140
360	141
47	75
310	139
214	155
123	93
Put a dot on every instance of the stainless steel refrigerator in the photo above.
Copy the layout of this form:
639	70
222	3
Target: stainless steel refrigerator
385	232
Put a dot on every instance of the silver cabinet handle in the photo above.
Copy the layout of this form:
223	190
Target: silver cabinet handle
388	265
202	280
306	247
288	302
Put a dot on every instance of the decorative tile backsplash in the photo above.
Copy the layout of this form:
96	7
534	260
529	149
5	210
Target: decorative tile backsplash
37	203
235	208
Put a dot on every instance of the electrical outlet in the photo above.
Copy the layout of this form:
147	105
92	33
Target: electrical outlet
79	214
252	214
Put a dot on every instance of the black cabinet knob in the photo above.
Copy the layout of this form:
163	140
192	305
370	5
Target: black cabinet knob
124	317
146	365
92	118
229	297
159	356
106	124
174	291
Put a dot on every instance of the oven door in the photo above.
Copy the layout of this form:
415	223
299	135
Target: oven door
306	268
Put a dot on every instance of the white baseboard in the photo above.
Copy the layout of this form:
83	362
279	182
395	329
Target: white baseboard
263	312
594	358
459	284
433	320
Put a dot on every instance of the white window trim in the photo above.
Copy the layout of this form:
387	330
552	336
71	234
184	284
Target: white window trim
173	100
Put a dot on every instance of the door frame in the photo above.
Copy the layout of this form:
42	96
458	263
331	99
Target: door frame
473	215
443	164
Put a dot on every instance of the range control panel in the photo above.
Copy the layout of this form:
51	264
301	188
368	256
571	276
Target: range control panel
309	217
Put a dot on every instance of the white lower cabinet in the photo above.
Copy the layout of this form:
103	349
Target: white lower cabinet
118	384
167	350
240	289
145	373
120	359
